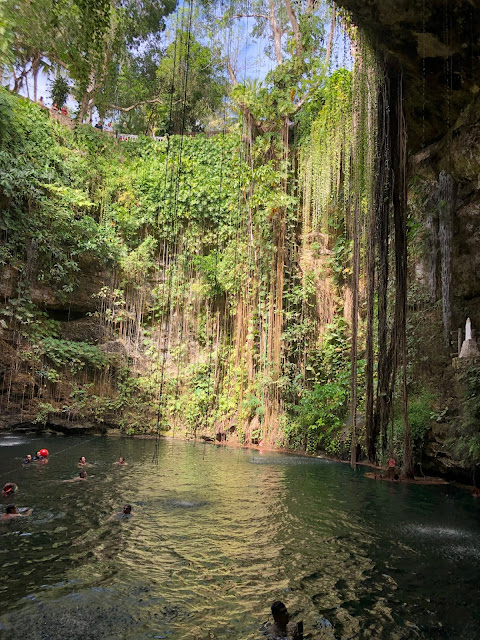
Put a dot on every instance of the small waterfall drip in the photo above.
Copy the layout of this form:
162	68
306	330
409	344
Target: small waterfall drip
446	203
431	225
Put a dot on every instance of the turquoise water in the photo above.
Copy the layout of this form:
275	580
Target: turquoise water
217	534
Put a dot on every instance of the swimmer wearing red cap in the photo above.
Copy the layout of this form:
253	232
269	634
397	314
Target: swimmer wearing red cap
9	489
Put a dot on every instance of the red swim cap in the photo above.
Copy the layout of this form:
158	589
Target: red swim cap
44	453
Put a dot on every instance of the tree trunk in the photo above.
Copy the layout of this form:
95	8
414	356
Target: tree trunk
277	33
330	37
354	324
295	27
399	201
35	69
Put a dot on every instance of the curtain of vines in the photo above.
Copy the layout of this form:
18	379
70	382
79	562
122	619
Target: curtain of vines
354	176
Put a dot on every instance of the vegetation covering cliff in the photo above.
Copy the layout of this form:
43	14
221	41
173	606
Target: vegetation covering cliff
125	273
291	279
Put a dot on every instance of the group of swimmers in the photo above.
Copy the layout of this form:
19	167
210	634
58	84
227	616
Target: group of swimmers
41	457
38	457
280	628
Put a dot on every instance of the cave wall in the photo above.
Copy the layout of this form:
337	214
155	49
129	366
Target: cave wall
23	391
435	47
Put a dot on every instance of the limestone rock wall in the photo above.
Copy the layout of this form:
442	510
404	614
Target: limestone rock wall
26	389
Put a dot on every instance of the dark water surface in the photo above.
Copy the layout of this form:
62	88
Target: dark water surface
218	534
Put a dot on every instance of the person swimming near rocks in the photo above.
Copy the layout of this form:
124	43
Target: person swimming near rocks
83	463
121	462
11	512
9	489
81	476
280	627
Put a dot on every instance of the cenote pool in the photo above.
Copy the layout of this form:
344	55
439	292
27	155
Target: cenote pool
218	534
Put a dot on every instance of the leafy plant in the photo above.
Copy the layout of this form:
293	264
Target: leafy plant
59	91
465	436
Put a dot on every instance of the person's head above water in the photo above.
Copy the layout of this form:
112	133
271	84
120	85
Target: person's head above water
82	460
127	509
82	474
11	508
121	459
280	614
28	457
9	489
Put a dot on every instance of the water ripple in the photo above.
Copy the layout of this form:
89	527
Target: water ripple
216	535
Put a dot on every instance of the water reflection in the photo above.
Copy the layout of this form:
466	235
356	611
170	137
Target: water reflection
217	534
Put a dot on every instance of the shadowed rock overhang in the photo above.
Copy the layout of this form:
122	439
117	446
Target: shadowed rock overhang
437	46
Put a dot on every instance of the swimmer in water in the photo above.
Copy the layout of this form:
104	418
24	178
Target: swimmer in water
12	512
83	463
122	515
28	459
9	489
121	462
39	458
81	476
280	627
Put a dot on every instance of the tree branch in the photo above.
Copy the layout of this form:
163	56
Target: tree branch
241	105
231	73
330	37
307	96
277	33
248	15
138	104
296	28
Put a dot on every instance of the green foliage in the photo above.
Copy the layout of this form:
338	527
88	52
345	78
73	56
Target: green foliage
136	264
49	218
21	312
6	38
327	134
318	420
44	410
59	91
321	415
341	261
195	403
193	190
75	355
420	415
465	440
197	90
90	41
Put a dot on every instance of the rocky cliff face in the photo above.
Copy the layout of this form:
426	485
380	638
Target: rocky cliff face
28	395
436	48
